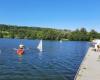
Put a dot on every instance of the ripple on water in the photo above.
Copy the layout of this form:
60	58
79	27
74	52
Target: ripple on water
57	62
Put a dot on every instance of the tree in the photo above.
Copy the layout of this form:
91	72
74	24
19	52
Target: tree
21	34
1	35
13	31
93	34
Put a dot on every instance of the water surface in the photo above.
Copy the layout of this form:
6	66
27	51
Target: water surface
58	61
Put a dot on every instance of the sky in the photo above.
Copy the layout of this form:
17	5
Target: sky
60	14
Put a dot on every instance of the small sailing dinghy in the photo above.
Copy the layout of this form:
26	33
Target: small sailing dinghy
60	41
40	47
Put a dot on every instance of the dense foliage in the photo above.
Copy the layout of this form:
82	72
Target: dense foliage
13	31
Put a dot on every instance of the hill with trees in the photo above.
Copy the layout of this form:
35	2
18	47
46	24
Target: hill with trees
26	32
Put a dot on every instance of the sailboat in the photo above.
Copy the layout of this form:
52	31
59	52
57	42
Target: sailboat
60	41
40	46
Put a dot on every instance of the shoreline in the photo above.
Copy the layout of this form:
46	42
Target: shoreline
43	39
90	67
77	73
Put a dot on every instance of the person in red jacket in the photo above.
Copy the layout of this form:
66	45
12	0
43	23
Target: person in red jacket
20	51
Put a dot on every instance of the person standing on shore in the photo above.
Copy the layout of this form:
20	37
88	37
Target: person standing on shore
97	47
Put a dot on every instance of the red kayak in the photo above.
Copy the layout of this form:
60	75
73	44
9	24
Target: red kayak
20	51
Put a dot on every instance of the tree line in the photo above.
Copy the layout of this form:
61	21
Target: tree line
26	32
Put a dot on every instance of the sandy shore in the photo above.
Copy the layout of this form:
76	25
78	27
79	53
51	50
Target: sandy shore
90	67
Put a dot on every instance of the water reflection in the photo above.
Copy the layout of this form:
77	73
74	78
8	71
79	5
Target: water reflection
40	55
20	58
0	51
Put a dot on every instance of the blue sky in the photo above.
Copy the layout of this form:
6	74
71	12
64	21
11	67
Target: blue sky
61	14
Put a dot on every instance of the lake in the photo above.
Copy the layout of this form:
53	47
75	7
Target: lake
58	61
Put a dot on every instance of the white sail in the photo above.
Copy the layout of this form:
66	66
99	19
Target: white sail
60	41
40	46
